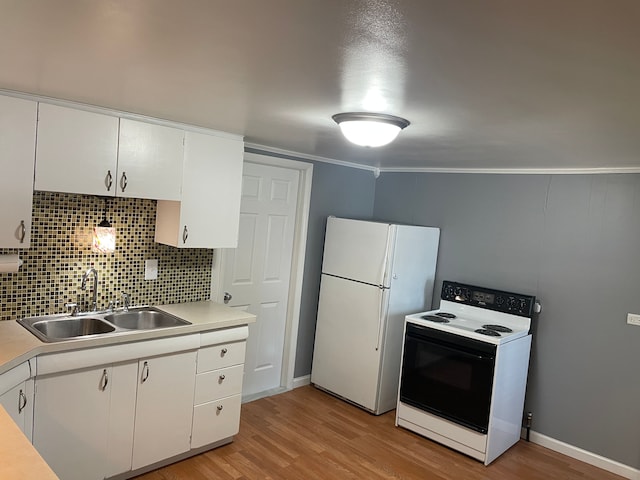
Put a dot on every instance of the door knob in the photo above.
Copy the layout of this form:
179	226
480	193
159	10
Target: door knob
227	297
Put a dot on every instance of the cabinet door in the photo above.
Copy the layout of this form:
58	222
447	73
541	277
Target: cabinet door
209	212
17	154
150	161
70	427
213	170
122	412
77	151
18	402
164	407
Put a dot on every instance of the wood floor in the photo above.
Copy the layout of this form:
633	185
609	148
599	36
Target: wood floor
307	434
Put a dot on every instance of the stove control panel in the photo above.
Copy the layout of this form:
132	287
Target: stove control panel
498	300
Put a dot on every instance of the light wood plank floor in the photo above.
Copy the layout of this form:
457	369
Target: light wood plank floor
307	434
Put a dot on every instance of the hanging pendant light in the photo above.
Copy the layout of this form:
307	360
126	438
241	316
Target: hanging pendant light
370	129
104	235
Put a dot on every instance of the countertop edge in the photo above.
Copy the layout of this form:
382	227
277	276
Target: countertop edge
226	317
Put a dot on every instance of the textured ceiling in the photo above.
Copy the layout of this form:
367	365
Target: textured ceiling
491	84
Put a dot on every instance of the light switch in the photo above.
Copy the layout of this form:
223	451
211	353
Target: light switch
633	319
151	269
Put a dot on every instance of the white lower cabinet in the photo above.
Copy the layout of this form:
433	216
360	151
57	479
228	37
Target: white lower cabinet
110	411
16	396
216	412
164	408
83	422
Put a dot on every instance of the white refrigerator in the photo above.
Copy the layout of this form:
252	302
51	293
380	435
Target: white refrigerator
373	274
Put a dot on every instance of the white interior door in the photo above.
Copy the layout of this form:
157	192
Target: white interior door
257	272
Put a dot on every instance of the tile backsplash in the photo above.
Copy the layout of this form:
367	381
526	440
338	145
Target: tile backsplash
60	253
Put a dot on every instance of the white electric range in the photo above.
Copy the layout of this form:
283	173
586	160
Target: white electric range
464	369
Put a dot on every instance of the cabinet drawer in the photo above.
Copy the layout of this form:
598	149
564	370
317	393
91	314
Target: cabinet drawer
218	384
220	356
215	421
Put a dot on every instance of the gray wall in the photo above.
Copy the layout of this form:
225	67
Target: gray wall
574	242
339	191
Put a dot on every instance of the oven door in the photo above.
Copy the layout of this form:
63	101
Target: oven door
448	375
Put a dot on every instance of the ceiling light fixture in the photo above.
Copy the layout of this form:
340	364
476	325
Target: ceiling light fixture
370	129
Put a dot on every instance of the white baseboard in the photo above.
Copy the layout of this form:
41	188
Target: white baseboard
585	456
301	381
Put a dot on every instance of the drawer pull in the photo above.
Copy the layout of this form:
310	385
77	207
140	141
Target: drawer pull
219	408
223	352
221	378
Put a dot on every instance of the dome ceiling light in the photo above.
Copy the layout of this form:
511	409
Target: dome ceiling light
370	129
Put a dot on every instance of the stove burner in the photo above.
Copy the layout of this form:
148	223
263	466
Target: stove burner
498	328
435	318
484	331
445	315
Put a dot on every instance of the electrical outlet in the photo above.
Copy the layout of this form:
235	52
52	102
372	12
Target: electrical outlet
151	269
633	319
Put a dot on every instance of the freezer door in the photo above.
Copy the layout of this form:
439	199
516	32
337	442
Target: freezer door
358	250
347	352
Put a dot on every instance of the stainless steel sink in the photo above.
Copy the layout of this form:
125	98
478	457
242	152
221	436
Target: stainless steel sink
144	320
56	328
71	327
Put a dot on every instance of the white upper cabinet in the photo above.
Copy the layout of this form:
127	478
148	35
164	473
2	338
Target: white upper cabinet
149	160
17	149
209	212
77	151
86	152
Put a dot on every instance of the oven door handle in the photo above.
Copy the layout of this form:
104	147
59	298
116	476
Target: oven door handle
455	349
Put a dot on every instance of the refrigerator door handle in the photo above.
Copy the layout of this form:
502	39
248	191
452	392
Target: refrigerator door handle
386	267
381	314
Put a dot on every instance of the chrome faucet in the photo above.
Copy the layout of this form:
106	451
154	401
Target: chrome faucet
125	302
83	286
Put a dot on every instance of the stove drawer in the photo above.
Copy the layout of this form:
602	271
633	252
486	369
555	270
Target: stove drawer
441	427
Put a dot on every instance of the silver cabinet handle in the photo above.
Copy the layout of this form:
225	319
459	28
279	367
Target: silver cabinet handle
104	381
22	401
185	234
219	407
221	378
108	181
23	231
227	297
145	372
123	181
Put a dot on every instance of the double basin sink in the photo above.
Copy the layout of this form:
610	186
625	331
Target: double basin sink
56	328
